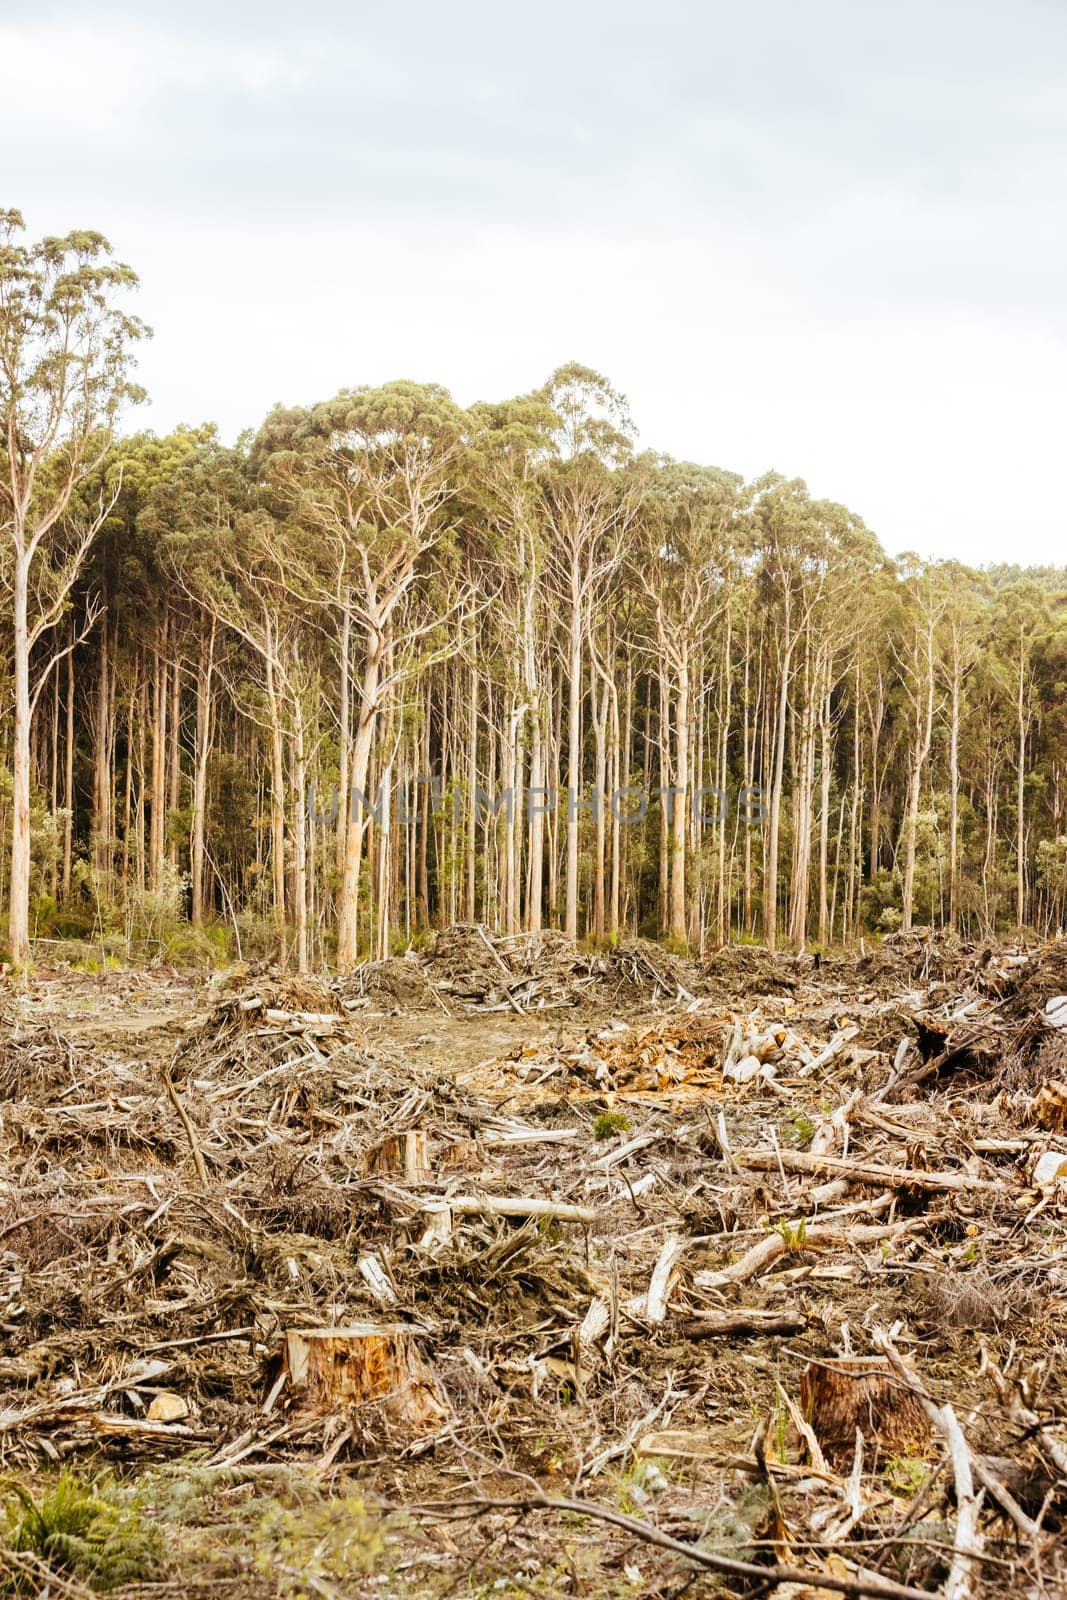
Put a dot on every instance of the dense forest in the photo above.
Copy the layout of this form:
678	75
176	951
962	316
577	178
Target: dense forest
389	663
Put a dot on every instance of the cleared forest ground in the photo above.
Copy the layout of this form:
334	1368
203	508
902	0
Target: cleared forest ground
515	1269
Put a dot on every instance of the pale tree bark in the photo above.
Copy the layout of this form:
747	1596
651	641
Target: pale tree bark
774	821
1024	714
68	778
63	364
678	918
825	760
921	688
204	719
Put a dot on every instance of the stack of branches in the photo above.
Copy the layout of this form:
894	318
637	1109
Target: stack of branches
735	1052
478	971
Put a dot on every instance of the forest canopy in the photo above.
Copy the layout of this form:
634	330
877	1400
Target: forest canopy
390	663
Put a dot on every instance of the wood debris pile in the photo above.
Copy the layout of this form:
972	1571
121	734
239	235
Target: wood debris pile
812	1317
702	1050
466	968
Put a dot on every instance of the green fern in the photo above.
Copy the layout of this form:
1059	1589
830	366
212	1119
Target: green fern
89	1530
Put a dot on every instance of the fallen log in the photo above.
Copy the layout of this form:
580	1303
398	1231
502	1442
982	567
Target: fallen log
714	1324
865	1584
663	1277
863	1171
837	1044
491	1205
766	1252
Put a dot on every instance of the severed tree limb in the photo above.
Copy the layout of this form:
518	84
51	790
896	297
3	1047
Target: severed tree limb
712	1324
662	1281
833	1129
190	1131
864	1171
491	1205
959	1584
870	1585
767	1251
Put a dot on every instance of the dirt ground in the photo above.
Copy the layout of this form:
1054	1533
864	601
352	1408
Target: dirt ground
631	1269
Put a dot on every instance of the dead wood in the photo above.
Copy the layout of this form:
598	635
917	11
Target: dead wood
542	1243
772	1574
716	1324
329	1370
401	1155
843	1396
964	1571
865	1171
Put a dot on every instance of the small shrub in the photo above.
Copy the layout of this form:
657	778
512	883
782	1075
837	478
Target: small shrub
609	1123
307	1549
198	947
906	1474
799	1132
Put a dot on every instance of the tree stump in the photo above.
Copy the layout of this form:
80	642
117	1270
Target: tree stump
838	1396
462	1155
1049	1109
401	1155
328	1370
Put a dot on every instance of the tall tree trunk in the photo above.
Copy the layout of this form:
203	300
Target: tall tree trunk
770	871
574	751
954	802
1020	795
68	778
345	733
160	703
277	800
300	850
470	841
362	744
19	881
204	674
678	921
824	815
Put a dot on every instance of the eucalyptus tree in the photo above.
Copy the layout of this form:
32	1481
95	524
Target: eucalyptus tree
812	555
369	474
213	535
963	628
1021	620
924	598
65	359
511	445
139	639
590	506
685	564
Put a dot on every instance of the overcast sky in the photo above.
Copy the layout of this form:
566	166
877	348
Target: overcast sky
826	238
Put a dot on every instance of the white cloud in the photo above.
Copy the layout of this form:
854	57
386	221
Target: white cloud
822	239
60	78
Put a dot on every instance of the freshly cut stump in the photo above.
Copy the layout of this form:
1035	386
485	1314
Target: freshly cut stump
462	1155
328	1370
1049	1109
401	1155
838	1396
